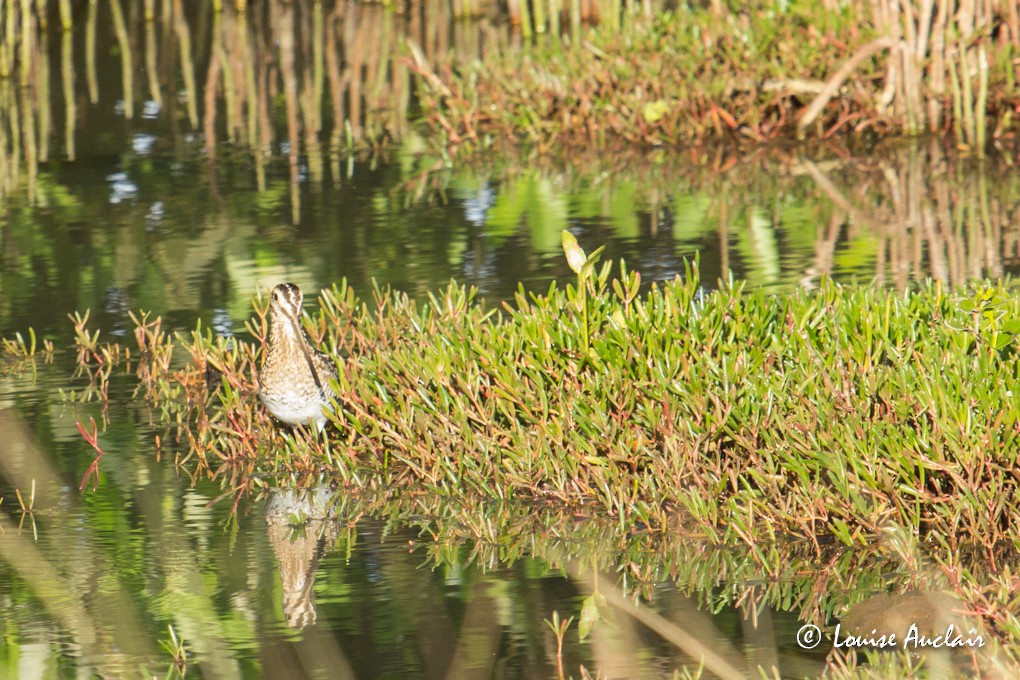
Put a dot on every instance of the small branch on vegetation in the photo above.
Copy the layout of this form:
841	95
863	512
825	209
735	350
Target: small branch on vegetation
420	65
834	83
794	86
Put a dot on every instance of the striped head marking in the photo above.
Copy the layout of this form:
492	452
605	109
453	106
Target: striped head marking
285	309
287	300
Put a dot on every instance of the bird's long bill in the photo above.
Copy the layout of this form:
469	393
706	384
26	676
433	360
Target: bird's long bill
293	318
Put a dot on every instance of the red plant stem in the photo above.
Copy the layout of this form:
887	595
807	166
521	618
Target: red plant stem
91	438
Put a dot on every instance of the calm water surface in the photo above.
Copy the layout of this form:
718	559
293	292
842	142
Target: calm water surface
140	203
332	582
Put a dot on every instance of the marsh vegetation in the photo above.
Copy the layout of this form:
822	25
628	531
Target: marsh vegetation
782	396
701	415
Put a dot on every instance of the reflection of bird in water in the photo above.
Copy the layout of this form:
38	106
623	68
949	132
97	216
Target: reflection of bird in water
294	380
299	549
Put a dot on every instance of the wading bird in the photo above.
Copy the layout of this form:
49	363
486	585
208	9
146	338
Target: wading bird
294	380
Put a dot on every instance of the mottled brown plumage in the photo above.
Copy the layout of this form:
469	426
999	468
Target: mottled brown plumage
294	380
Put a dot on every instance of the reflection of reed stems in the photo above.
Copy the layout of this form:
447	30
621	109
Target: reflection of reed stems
539	11
285	32
5	163
972	32
981	106
23	99
251	94
335	80
380	66
513	9
29	141
235	63
10	103
917	59
910	87
318	70
951	228
265	128
993	235
525	19
7	44
42	93
67	77
90	54
352	74
212	81
229	90
187	69
937	67
968	97
308	118
954	84
609	14
127	70
705	643
151	63
27	34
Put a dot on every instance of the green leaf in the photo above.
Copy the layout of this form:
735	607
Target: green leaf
575	255
590	262
1001	340
654	111
589	614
